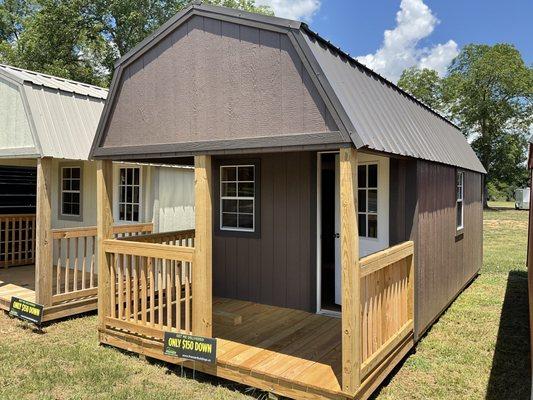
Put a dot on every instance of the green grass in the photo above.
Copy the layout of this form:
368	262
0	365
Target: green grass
502	204
478	349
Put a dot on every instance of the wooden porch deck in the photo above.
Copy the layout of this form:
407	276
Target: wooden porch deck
293	347
19	281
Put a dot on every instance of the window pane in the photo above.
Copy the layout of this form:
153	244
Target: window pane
66	173
75	184
362	225
229	205
361	176
66	208
246	221
246	206
373	226
361	200
246	189
129	194
121	212
75	209
373	201
136	194
229	173
229	189
67	197
135	215
459	214
75	173
75	198
246	173
66	184
373	175
122	176
136	174
123	194
229	220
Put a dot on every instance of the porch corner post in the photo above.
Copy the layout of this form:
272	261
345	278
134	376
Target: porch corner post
104	223
350	274
202	268
43	233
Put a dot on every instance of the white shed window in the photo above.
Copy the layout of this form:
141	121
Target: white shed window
459	197
237	198
129	194
71	191
367	181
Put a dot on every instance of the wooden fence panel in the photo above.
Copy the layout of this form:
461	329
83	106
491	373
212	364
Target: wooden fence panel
17	239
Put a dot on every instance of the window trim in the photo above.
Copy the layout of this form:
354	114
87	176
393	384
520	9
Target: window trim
460	174
60	215
236	197
217	209
377	164
118	202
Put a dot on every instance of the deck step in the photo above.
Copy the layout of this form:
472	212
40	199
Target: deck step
227	318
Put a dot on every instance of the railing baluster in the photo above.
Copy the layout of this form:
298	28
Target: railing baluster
144	292
152	290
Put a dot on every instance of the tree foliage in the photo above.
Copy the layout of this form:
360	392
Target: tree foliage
488	92
82	39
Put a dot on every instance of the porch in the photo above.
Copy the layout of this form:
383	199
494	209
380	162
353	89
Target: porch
156	283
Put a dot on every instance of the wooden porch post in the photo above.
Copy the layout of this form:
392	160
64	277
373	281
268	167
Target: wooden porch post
43	234
104	223
202	287
350	281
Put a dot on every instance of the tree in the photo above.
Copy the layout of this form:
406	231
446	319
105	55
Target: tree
489	93
425	84
82	39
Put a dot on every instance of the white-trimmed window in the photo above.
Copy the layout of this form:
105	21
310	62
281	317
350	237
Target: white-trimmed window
237	198
459	197
367	181
71	191
129	194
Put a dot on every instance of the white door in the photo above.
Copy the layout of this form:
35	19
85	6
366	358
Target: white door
337	233
373	211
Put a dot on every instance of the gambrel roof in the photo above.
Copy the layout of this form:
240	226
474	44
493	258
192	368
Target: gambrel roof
369	110
47	116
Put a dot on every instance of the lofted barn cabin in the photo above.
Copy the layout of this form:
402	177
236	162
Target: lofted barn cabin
336	217
48	193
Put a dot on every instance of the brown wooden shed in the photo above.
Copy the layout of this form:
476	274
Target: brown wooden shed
336	215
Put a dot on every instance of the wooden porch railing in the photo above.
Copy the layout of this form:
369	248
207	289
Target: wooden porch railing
150	282
75	255
386	303
17	239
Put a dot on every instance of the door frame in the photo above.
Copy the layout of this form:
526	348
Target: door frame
319	309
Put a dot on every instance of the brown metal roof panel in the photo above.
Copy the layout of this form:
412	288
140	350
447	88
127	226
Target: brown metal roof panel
387	119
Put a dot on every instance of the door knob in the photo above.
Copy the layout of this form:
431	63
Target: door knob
336	235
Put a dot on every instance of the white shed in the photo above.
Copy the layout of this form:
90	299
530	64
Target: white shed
48	189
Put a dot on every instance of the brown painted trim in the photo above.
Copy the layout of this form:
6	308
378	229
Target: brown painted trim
224	146
217	163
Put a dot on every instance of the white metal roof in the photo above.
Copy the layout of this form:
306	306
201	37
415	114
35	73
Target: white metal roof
63	114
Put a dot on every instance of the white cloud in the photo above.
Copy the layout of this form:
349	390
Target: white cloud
292	9
400	49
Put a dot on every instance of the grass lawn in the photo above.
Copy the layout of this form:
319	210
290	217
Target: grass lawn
478	349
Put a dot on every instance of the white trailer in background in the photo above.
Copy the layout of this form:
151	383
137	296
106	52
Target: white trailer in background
522	199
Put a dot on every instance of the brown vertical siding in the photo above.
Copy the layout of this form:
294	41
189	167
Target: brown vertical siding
212	80
402	203
279	267
445	261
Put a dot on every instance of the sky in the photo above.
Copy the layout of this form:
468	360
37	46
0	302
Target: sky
391	35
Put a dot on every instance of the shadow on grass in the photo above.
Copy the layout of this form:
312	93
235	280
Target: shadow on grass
510	376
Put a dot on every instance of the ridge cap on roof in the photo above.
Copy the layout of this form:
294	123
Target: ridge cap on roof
388	82
7	67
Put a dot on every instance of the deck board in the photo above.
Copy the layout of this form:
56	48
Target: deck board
291	345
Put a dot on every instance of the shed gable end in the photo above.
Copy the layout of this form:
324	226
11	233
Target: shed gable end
15	129
213	80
